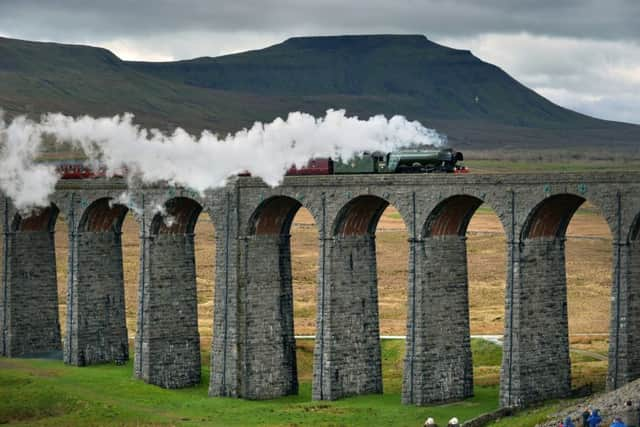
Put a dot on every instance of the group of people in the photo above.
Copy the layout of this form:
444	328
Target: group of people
630	417
591	418
453	422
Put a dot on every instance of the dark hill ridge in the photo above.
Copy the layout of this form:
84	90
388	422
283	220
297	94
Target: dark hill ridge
436	81
475	103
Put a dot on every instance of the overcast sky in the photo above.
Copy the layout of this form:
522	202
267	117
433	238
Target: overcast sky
582	54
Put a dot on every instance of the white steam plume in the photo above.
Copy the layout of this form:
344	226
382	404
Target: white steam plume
265	150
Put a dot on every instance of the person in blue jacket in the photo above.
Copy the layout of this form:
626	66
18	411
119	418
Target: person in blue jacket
568	422
594	419
617	422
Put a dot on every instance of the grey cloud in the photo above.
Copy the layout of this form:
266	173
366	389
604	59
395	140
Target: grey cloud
595	77
582	54
613	19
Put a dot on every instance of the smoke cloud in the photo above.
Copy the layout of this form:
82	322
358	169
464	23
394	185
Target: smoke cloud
264	150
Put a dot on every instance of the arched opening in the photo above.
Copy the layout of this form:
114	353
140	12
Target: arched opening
551	217
205	258
167	338
451	217
536	361
589	289
31	293
392	251
439	307
348	360
96	330
304	269
130	242
360	216
179	217
38	220
268	349
61	242
487	273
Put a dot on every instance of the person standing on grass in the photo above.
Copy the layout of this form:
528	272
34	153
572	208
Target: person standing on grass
585	417
594	419
617	422
430	423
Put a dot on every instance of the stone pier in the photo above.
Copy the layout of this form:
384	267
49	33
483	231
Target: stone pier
29	310
167	340
438	365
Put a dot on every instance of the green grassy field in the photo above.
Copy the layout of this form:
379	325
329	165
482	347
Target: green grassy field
48	393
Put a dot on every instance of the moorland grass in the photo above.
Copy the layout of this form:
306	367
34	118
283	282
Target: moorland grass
48	393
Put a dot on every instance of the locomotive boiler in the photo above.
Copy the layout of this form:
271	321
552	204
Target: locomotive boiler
403	161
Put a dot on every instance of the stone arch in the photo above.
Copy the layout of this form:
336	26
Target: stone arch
359	216
551	217
451	216
96	317
438	301
347	356
268	353
102	215
170	359
538	278
180	217
273	216
39	219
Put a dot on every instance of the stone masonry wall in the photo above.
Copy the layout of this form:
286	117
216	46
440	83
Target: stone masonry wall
169	352
624	341
32	326
441	364
537	338
348	355
97	331
267	346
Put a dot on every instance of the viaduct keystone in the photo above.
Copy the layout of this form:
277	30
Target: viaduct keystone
253	349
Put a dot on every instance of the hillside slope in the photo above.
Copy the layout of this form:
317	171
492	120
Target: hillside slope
476	104
429	79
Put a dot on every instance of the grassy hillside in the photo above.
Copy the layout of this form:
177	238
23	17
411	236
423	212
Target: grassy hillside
476	104
48	393
417	75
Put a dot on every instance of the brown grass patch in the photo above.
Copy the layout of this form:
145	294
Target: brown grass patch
588	273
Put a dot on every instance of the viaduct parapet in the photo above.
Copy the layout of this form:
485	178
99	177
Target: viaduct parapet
253	349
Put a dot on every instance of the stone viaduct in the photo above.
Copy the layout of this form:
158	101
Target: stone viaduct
253	349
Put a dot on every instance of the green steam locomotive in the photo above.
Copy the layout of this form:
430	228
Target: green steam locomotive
404	161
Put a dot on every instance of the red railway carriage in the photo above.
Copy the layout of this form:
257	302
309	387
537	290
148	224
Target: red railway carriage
321	166
78	170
